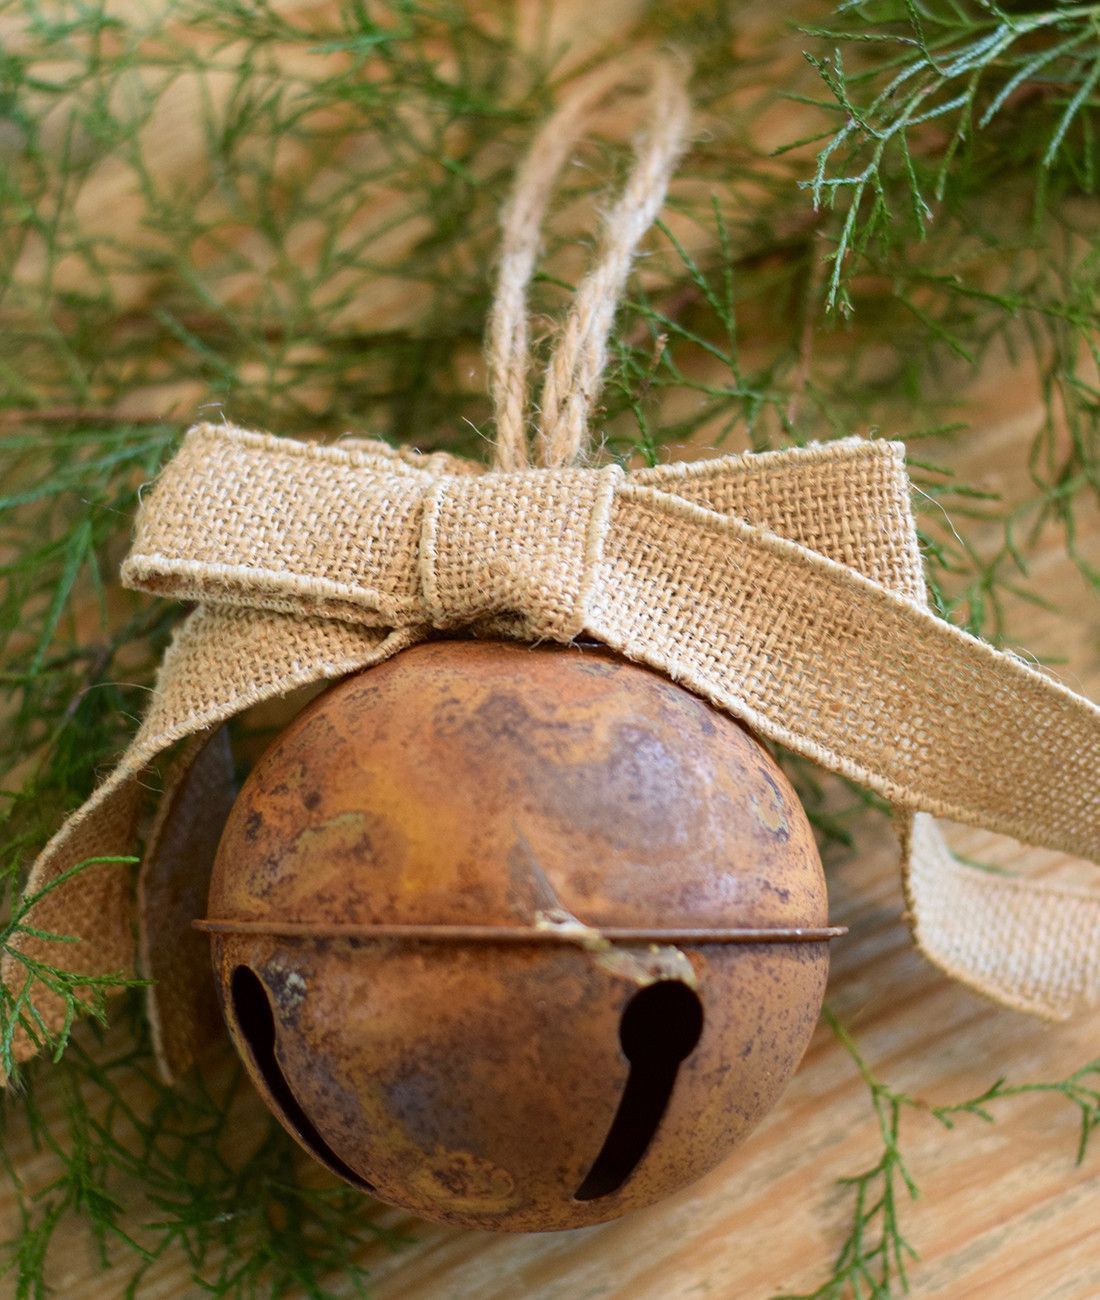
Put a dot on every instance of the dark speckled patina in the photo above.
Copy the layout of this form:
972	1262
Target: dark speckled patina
472	783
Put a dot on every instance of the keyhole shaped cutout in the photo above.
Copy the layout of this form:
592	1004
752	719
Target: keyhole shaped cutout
256	1025
660	1028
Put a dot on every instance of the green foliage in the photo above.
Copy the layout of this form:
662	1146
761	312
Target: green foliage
79	995
958	176
261	1225
874	1259
947	73
290	216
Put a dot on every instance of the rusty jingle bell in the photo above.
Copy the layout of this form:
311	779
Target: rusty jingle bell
518	938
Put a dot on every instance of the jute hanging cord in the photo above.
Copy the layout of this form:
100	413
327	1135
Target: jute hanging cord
786	588
573	377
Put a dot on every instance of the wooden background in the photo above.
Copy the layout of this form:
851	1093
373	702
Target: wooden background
1003	1212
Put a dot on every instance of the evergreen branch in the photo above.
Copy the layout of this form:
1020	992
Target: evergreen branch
79	995
872	1261
954	68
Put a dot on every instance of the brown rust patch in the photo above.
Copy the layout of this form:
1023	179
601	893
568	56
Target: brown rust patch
771	808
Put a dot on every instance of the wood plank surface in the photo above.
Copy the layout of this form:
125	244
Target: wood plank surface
1003	1213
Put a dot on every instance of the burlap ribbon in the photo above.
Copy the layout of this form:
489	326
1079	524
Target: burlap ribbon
786	588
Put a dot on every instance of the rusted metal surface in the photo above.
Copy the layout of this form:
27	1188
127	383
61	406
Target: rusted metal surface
552	790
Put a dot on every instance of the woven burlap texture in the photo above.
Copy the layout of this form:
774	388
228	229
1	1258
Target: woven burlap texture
786	588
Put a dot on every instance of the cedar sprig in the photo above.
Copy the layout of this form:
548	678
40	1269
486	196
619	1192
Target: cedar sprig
153	1172
874	1260
79	995
947	71
959	177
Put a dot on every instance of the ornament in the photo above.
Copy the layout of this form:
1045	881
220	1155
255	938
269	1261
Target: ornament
518	938
784	589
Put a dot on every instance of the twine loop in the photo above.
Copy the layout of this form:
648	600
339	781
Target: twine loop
573	376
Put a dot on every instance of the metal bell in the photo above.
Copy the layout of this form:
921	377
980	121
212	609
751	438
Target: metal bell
518	937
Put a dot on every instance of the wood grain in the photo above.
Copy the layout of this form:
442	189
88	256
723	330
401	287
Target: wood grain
1003	1212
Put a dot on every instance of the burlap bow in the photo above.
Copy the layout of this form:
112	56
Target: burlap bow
786	588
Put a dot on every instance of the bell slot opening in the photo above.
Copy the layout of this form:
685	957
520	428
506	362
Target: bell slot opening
660	1028
256	1025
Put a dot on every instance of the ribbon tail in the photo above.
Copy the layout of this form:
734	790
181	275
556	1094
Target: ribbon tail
1031	945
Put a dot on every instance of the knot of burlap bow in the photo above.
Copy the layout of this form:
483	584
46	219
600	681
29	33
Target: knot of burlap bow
786	588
